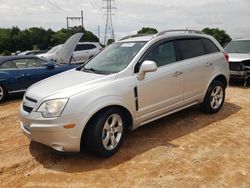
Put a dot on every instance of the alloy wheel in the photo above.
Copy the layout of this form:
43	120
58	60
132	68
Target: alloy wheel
112	131
217	97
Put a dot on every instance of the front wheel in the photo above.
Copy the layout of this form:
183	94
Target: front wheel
3	94
104	134
214	98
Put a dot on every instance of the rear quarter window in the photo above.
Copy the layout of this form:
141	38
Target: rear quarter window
210	46
190	48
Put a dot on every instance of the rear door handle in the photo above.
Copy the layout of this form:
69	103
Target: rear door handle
23	75
208	64
177	73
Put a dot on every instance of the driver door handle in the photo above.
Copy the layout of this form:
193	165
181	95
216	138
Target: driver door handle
178	73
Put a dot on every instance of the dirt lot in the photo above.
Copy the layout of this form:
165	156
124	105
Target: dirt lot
187	149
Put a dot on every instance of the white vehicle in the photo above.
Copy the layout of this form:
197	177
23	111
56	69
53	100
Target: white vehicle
132	82
82	52
239	59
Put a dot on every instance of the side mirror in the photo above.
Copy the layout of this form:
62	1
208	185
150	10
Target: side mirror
49	65
147	66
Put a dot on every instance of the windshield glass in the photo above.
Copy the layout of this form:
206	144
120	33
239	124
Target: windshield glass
241	46
54	49
114	58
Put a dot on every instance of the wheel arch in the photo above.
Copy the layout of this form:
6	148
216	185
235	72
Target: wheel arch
220	77
125	111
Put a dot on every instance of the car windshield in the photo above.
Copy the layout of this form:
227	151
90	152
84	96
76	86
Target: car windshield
114	58
54	49
241	46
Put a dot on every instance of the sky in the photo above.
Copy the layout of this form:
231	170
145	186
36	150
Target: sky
130	15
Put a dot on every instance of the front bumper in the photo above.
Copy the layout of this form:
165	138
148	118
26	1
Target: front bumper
240	74
51	132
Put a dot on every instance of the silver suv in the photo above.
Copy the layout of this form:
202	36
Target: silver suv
132	82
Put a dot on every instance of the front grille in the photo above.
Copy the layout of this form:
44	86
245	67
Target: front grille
236	66
27	109
30	99
28	104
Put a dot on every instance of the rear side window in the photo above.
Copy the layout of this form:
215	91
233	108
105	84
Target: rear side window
7	65
210	46
190	48
81	47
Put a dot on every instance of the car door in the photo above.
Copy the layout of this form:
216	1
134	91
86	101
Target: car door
197	69
9	76
32	70
83	52
160	91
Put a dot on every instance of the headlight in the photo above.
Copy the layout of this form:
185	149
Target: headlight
52	108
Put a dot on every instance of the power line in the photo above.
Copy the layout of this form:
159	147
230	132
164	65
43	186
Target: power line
80	18
109	30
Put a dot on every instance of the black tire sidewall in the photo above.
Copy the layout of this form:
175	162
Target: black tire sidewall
4	94
95	129
206	105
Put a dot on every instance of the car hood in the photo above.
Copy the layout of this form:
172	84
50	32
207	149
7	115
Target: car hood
66	51
66	84
238	57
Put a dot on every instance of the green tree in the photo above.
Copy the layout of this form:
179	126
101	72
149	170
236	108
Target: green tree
14	39
220	35
147	30
110	41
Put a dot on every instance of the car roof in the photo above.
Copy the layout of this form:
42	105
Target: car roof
147	38
14	57
241	39
87	42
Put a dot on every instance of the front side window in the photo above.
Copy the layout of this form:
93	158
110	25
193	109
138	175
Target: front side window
241	46
191	48
7	65
162	54
114	58
28	63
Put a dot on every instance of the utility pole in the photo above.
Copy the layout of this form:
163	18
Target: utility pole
109	30
80	18
98	32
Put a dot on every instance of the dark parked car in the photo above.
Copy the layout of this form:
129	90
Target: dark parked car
17	73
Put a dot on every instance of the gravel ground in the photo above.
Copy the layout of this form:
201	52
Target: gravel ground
187	149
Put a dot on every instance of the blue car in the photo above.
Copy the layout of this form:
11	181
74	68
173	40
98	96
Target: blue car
17	73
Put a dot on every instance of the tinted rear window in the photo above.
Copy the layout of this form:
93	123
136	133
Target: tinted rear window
190	48
210	46
80	47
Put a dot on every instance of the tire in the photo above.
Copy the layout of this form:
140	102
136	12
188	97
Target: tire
3	93
214	98
104	133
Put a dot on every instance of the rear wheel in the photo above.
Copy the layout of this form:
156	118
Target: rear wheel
214	98
104	134
3	94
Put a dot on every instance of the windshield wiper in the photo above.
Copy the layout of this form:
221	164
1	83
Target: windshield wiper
89	70
92	70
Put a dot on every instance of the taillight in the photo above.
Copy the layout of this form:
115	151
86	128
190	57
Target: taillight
226	56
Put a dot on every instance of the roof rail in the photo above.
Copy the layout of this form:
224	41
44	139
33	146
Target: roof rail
135	35
177	30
